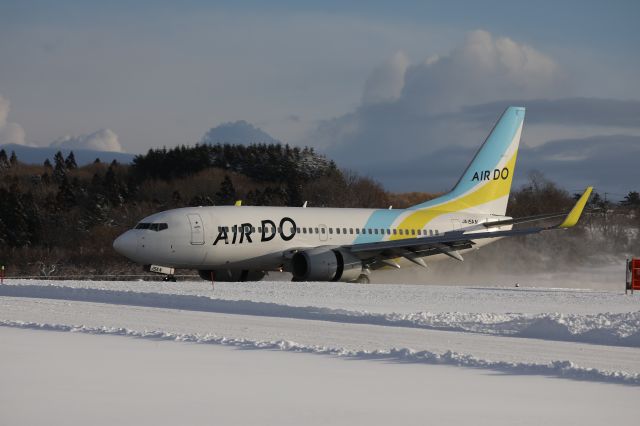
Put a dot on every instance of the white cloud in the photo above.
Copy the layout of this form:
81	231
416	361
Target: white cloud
410	109
386	82
484	68
9	132
102	140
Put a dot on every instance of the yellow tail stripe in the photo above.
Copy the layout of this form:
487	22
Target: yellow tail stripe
489	192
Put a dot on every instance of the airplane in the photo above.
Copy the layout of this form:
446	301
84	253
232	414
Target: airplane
244	243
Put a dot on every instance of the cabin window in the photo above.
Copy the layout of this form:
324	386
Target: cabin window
413	232
292	230
297	230
431	232
344	230
395	231
375	231
351	231
323	230
370	231
437	233
331	230
253	229
357	231
337	230
316	230
388	231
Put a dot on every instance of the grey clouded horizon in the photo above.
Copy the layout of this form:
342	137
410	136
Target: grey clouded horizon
373	86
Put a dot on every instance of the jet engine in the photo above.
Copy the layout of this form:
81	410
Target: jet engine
325	264
231	275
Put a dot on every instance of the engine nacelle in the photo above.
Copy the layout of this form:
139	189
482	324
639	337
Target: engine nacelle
231	275
325	264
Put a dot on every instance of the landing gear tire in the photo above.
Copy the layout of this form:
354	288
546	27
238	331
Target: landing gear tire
363	279
169	278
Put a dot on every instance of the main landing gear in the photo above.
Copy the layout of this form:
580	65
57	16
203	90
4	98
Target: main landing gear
363	279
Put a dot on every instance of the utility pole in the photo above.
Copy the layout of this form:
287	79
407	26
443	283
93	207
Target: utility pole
606	224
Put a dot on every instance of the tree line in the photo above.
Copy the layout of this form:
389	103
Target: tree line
61	217
58	218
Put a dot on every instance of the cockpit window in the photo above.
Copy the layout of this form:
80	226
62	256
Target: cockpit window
152	226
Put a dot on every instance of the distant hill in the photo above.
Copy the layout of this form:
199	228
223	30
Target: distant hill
37	155
237	132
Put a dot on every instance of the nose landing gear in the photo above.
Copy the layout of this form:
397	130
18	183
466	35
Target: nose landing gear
162	270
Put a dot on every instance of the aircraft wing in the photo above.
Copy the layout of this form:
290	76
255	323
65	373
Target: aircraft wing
449	243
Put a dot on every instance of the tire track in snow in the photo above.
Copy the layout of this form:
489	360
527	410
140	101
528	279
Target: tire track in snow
612	329
561	369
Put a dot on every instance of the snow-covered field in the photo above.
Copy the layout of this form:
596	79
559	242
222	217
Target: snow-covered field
79	352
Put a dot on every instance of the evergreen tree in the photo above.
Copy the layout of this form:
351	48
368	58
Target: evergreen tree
65	198
70	161
14	159
632	199
201	200
19	220
112	188
4	161
97	211
46	179
60	169
47	164
96	161
227	193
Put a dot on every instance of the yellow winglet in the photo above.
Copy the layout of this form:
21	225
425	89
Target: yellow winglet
575	213
238	203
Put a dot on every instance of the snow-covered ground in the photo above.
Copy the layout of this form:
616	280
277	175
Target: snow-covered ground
78	352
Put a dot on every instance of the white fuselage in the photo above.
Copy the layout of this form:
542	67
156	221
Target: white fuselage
259	238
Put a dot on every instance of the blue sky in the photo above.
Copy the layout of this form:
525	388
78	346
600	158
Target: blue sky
392	80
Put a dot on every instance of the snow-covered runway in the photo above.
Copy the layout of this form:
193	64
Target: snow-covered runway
405	339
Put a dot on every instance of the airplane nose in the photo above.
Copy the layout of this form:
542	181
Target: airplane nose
125	244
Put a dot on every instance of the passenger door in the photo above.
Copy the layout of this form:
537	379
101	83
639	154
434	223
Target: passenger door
197	229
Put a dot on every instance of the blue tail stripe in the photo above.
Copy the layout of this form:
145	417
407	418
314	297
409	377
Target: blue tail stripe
379	219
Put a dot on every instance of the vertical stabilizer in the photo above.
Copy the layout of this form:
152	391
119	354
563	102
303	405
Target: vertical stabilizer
485	185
